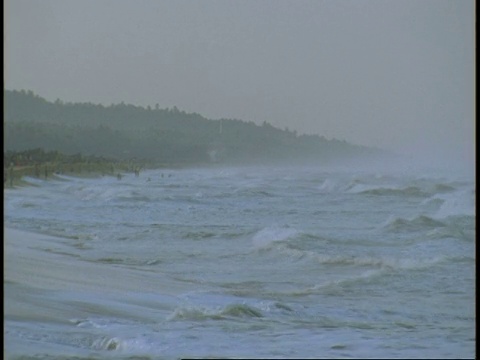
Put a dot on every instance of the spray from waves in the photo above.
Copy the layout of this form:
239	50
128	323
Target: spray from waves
342	185
197	313
336	285
265	237
330	186
109	343
123	345
460	203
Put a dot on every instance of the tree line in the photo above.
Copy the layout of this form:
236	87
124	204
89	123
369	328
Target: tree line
166	136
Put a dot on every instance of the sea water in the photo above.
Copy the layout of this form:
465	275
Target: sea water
241	262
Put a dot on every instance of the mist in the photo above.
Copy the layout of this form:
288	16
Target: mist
388	74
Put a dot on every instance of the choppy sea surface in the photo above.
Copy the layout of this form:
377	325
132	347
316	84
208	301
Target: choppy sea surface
241	262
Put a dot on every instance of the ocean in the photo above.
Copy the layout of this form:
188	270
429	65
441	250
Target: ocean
241	262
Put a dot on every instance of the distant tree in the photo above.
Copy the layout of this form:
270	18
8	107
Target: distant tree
166	135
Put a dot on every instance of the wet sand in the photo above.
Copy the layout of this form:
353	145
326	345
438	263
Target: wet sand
36	267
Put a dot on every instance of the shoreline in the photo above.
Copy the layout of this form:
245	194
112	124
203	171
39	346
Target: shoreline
47	262
14	175
39	164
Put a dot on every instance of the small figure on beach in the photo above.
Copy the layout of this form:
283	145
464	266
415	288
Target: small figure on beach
119	176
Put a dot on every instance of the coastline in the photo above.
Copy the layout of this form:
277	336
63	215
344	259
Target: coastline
47	283
46	262
16	168
14	176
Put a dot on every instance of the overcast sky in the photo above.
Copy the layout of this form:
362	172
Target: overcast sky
392	74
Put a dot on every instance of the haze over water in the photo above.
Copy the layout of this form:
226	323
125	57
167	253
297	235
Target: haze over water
392	74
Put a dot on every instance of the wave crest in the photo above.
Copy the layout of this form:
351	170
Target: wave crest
265	237
461	203
380	262
108	343
419	223
411	191
201	313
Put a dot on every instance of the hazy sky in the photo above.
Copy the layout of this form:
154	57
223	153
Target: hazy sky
393	74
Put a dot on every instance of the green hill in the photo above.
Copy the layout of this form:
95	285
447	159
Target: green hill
166	136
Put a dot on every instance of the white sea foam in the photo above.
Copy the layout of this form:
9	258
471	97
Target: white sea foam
124	345
200	313
269	235
417	223
330	185
256	287
457	203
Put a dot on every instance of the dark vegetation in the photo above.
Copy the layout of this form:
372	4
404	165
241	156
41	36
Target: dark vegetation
41	164
167	137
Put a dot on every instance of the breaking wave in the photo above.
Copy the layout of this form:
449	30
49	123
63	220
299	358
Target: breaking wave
127	261
121	345
380	262
411	191
366	187
418	223
460	203
219	313
269	235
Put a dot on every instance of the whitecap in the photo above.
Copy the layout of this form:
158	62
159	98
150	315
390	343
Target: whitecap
269	235
457	204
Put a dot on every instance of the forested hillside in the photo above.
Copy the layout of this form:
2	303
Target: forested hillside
166	136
